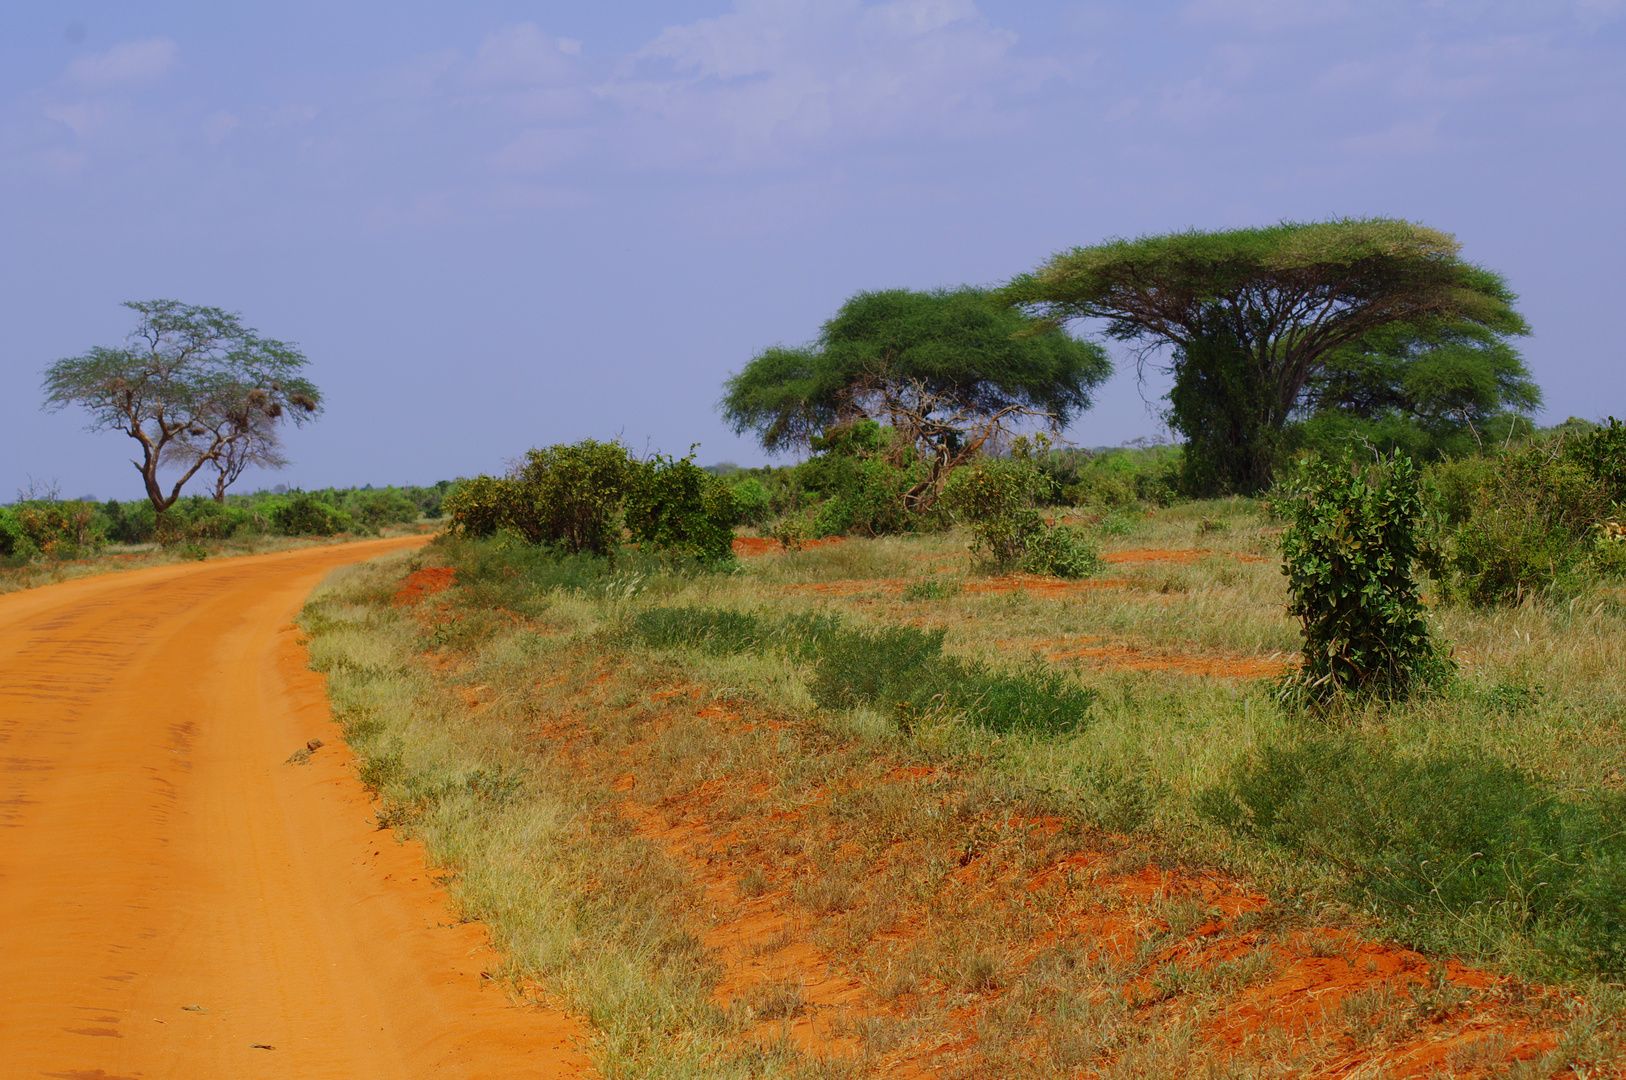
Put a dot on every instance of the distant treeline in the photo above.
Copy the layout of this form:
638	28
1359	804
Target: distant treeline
71	528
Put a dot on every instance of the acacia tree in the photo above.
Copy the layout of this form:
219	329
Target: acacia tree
246	436
1252	315
946	370
1444	386
191	385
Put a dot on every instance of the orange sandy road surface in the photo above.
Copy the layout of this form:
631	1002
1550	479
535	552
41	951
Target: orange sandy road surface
174	898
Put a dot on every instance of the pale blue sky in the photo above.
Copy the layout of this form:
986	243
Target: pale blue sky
497	224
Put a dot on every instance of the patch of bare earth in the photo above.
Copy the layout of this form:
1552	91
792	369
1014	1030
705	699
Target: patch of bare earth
899	919
1089	652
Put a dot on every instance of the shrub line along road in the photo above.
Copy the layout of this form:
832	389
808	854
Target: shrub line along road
178	902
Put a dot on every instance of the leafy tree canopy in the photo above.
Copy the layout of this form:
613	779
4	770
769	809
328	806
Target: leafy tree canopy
1254	314
946	369
192	377
1441	387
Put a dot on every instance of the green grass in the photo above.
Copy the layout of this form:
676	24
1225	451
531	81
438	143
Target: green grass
1477	821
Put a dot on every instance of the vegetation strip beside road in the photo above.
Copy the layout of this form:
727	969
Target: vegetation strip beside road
664	823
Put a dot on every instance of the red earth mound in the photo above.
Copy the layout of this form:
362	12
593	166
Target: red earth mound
426	582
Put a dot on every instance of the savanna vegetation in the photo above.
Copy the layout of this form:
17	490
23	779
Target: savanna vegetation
44	537
1298	748
879	803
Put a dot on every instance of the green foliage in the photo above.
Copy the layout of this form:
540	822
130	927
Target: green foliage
1440	388
996	500
1348	552
1527	523
903	670
582	498
1601	454
307	514
1253	314
1123	477
854	484
485	505
15	546
752	503
575	493
900	669
1062	551
971	356
195	518
378	507
1475	839
57	530
676	506
1224	402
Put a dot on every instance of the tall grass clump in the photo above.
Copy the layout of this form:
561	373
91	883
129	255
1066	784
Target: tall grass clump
1486	845
901	670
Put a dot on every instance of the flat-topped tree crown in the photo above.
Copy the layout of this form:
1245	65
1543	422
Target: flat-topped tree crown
193	386
946	370
1266	306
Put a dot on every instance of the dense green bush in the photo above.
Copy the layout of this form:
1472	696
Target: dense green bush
485	505
196	518
376	507
1349	549
752	504
1064	552
996	499
1529	525
675	506
1118	478
859	479
306	514
576	493
58	530
583	498
1485	842
1601	454
14	542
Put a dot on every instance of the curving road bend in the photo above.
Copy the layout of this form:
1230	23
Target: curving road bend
178	902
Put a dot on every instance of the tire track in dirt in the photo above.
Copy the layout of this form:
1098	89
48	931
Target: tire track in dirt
176	900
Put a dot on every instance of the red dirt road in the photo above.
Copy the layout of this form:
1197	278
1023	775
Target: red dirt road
177	901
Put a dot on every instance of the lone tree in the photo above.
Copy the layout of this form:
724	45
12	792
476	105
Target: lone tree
192	386
244	437
947	370
1253	315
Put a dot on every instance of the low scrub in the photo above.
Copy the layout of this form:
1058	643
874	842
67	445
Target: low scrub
1477	840
899	670
590	497
997	500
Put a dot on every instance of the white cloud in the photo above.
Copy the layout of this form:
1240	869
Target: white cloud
219	125
1266	16
775	78
523	55
81	118
128	64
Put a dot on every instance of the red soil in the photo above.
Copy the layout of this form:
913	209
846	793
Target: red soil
749	546
426	582
1338	1004
179	897
1127	658
1182	556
